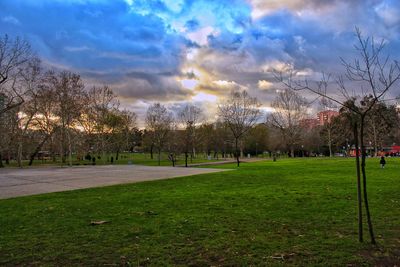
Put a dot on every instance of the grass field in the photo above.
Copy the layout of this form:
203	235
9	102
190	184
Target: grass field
299	212
124	158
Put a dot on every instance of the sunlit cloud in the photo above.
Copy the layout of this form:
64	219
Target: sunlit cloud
265	85
201	36
223	83
203	97
189	83
176	50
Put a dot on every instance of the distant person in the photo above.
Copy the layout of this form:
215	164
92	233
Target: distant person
382	162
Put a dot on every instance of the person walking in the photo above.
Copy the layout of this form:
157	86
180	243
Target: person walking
382	162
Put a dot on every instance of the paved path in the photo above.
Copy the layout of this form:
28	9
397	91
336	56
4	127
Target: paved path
32	181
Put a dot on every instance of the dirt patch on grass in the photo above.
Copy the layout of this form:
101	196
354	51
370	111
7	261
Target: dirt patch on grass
382	257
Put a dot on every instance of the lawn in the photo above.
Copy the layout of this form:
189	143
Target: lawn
289	212
124	158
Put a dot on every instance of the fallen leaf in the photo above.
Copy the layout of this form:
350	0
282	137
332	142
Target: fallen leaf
98	222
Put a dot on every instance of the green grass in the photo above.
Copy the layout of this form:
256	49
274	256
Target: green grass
301	209
124	158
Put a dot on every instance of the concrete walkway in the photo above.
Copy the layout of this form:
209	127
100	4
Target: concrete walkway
32	181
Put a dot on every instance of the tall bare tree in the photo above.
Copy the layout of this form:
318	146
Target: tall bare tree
31	78
328	127
189	117
121	124
68	90
14	53
240	112
290	109
374	74
98	116
158	123
45	122
381	122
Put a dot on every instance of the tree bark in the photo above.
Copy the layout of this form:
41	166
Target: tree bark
329	141
363	157
62	145
237	152
69	148
359	197
19	153
375	139
33	155
1	161
159	157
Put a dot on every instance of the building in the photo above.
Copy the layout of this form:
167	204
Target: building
309	123
326	116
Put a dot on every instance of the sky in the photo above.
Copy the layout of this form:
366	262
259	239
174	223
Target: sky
175	51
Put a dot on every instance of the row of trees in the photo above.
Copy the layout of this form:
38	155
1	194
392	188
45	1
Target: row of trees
289	126
53	111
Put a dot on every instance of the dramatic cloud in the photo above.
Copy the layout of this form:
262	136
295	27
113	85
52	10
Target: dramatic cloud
173	51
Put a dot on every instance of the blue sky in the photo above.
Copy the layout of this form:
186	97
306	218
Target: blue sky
175	51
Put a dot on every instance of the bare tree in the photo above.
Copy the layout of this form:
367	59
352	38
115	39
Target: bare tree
99	112
45	121
31	77
121	124
374	74
289	111
240	112
158	123
14	53
68	90
328	127
381	121
189	117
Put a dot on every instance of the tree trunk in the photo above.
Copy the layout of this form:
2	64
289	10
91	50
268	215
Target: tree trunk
62	146
19	154
69	149
53	154
103	151
237	152
329	141
159	157
151	151
375	139
369	221
359	198
33	155
186	158
1	161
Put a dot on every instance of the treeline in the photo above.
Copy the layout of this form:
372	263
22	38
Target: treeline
56	112
292	133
